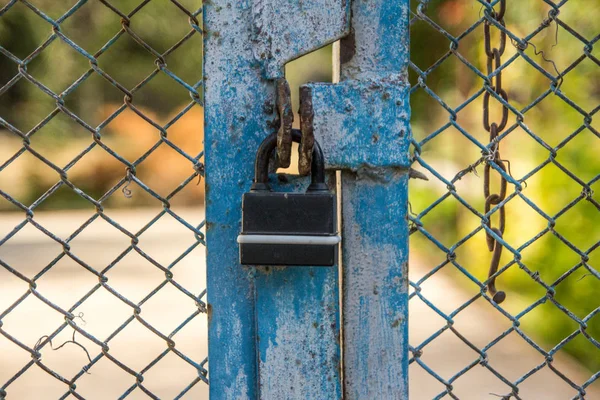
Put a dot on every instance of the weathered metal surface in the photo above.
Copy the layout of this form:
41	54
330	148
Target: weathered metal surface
375	284
360	123
301	336
233	82
287	29
298	327
378	47
277	308
374	195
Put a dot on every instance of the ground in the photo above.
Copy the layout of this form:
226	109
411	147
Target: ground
135	277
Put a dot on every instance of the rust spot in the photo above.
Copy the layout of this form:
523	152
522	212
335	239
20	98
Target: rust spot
209	312
375	138
282	178
347	48
264	269
268	107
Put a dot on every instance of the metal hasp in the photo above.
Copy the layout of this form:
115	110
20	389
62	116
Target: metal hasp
362	123
288	228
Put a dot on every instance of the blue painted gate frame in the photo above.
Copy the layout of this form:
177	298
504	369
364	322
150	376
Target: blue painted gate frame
276	333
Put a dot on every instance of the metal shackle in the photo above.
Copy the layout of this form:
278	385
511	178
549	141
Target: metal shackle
263	155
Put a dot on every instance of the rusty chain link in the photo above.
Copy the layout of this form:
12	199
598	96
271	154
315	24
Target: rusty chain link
494	63
551	288
308	135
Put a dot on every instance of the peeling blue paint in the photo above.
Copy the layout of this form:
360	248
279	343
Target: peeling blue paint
235	124
361	123
287	29
274	334
375	284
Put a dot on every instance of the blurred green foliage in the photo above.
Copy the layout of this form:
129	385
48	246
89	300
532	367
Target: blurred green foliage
160	23
551	189
552	120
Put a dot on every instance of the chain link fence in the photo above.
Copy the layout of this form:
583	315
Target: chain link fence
105	303
505	99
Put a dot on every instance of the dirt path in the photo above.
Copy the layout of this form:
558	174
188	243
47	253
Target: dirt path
30	251
480	323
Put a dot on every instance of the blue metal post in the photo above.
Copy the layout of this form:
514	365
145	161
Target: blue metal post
374	219
362	123
274	333
237	103
375	224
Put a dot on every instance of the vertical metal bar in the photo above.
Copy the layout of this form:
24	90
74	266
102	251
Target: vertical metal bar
273	333
374	219
238	103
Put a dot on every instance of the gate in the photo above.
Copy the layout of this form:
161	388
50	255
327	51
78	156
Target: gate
118	119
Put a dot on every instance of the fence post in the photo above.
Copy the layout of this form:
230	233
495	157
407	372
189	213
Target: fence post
260	346
236	107
374	219
273	332
362	123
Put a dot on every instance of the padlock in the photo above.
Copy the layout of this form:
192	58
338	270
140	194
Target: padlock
288	228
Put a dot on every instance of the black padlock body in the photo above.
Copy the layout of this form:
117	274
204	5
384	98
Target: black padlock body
289	213
273	213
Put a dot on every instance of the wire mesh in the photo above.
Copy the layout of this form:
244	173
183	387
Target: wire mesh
450	220
550	71
90	338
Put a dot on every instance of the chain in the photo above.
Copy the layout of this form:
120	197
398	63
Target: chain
494	61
